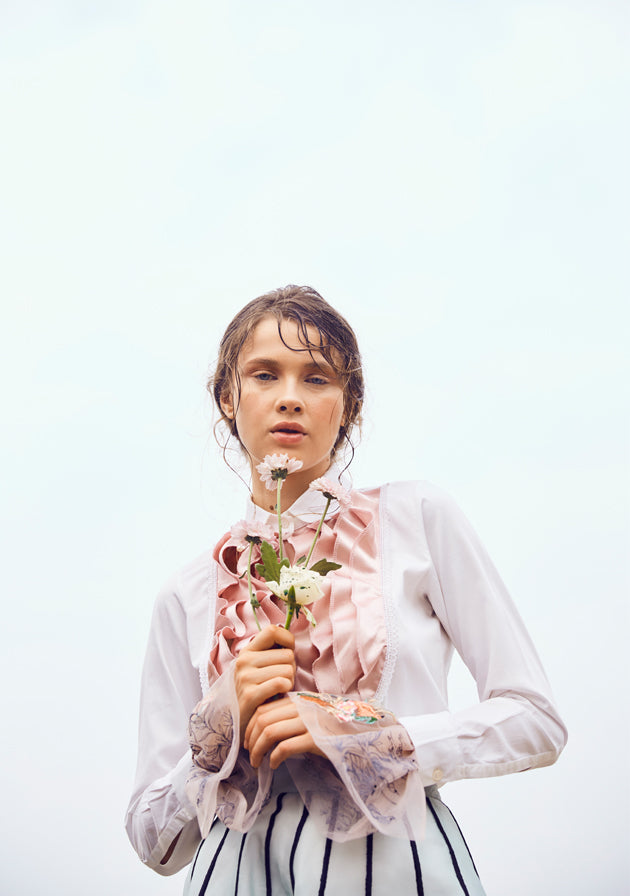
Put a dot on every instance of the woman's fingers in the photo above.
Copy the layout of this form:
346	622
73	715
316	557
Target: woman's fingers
293	746
252	696
269	637
258	659
278	729
264	739
276	711
263	669
258	674
247	680
266	691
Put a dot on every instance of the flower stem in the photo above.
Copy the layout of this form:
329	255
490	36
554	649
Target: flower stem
319	529
279	509
290	611
253	600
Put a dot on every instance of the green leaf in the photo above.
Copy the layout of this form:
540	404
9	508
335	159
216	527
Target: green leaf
300	560
269	569
309	615
323	567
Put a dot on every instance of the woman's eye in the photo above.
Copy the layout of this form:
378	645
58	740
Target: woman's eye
317	380
263	377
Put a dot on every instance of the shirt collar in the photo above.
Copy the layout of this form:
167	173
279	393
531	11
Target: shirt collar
309	506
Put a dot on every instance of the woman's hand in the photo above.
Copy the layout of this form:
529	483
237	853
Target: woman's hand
262	670
277	725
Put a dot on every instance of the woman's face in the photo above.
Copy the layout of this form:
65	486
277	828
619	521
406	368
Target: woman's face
291	402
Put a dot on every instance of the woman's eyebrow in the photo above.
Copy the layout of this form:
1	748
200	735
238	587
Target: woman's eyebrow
272	363
261	362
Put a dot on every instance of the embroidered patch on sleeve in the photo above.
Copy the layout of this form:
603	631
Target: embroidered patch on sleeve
344	709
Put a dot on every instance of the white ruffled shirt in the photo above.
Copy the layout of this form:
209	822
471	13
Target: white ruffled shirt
440	592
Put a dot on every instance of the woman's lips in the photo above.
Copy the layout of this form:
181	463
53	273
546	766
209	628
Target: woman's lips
287	436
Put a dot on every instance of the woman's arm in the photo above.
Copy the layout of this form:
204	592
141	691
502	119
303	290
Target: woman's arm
161	821
515	726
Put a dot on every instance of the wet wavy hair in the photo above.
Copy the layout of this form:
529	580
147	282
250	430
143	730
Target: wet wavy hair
336	342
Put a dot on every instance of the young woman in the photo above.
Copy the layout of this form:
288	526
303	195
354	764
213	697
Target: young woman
317	752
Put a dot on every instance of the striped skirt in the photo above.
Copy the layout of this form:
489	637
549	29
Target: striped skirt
284	853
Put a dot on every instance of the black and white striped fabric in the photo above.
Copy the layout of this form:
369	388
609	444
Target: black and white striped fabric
284	853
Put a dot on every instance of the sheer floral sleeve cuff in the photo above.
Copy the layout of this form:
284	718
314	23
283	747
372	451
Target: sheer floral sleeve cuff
223	784
369	780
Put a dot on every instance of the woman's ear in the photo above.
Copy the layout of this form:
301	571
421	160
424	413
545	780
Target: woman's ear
227	405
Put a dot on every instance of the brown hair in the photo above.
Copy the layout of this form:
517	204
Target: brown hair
337	343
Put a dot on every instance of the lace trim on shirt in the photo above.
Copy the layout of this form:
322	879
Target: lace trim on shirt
391	624
211	590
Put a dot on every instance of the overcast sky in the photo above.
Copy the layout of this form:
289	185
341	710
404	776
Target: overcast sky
453	177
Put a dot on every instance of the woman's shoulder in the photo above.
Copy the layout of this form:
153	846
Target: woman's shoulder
189	585
411	491
416	504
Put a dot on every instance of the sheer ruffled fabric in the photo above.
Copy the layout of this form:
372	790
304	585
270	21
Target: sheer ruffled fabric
367	782
224	784
369	779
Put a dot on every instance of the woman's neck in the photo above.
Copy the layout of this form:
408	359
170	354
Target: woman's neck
290	492
293	488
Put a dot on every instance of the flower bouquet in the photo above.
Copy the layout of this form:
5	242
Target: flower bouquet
297	584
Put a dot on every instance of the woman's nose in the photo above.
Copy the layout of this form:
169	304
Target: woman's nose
289	401
285	405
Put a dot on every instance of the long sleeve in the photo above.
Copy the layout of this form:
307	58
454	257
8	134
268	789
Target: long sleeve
454	594
439	591
159	810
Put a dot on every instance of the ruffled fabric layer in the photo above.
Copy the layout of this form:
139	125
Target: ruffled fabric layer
368	780
344	653
223	783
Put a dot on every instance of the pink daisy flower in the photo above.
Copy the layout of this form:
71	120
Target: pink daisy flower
334	491
276	467
248	532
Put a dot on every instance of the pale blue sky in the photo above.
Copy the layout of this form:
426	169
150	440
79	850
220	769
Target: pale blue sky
453	177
